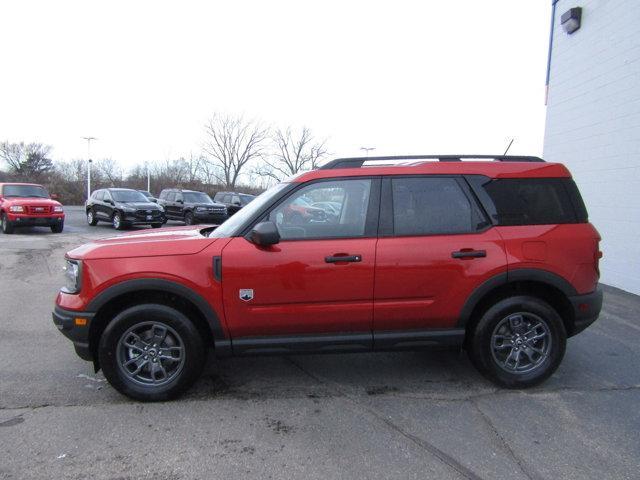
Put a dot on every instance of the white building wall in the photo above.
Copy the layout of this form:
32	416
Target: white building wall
593	125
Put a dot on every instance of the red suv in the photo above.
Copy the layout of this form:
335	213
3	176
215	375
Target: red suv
494	255
29	205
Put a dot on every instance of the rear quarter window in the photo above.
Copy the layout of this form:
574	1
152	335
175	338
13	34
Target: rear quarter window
534	201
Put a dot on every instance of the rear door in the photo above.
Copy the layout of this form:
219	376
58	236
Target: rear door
435	247
318	279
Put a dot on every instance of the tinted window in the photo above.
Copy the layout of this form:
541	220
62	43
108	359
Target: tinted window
163	194
235	200
197	197
431	206
217	197
227	199
171	196
531	201
297	218
99	195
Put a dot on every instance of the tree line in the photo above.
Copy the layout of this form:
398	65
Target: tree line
237	154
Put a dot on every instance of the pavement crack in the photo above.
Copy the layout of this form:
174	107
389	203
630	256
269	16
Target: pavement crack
434	451
527	471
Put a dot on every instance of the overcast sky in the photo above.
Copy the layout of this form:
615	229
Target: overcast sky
404	77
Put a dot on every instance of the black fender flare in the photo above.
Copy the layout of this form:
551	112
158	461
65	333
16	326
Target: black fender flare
512	276
162	285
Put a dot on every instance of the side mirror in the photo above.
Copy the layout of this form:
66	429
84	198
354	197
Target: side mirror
265	234
108	200
154	200
179	201
236	203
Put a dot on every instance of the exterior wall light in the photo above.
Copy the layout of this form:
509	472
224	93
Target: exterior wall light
571	20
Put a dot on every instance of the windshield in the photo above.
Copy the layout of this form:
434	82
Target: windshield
35	191
230	227
127	196
196	197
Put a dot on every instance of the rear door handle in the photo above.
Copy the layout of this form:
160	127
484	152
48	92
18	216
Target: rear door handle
343	258
469	253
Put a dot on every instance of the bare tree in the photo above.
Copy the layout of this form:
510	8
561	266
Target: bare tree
28	160
294	152
110	170
232	143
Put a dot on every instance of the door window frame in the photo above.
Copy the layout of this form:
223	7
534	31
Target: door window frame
371	221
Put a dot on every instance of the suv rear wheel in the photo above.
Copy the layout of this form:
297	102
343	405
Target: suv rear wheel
519	342
151	352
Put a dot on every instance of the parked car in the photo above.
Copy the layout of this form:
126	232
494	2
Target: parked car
234	201
149	196
192	207
29	205
123	207
495	256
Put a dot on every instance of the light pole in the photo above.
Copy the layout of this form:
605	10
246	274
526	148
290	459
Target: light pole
88	139
148	177
367	149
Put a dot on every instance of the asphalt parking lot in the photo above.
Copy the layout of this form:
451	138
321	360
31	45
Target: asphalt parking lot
401	415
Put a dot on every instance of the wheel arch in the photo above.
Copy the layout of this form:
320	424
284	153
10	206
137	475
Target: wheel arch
542	284
134	292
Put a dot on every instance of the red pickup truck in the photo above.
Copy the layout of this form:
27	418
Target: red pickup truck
29	205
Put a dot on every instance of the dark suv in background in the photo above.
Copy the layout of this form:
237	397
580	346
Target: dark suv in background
191	207
233	201
123	207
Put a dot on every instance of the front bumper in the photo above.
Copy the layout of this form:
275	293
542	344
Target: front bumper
137	219
35	221
586	310
75	326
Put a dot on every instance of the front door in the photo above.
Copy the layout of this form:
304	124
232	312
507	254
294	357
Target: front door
436	246
319	278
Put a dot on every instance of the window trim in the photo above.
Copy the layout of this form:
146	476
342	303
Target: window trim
370	223
386	227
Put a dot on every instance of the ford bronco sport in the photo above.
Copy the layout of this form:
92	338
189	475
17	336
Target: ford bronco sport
494	255
29	205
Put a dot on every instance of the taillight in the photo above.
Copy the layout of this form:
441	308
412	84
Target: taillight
596	258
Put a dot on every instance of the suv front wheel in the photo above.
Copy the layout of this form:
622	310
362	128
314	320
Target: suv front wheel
151	352
518	342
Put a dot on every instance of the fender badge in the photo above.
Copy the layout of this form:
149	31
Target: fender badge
246	294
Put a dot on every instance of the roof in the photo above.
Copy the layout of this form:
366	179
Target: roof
504	167
21	183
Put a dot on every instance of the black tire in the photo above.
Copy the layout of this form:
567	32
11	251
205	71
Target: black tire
91	217
117	221
112	353
58	227
156	225
502	338
7	227
188	219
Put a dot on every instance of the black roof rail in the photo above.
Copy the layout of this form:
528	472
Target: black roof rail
358	162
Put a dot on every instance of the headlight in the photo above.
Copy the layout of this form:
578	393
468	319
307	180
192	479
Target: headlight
58	209
201	209
72	276
16	208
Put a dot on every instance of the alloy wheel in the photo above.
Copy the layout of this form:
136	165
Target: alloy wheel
150	354
520	342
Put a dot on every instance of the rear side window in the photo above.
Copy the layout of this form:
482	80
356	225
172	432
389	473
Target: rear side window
535	201
432	206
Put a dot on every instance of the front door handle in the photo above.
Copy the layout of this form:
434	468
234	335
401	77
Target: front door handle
339	258
469	253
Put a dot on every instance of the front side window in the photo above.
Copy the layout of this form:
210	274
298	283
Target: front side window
432	206
331	209
171	196
99	195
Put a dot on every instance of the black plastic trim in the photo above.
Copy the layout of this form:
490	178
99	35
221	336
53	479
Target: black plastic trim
418	339
64	320
585	317
162	285
298	344
217	268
